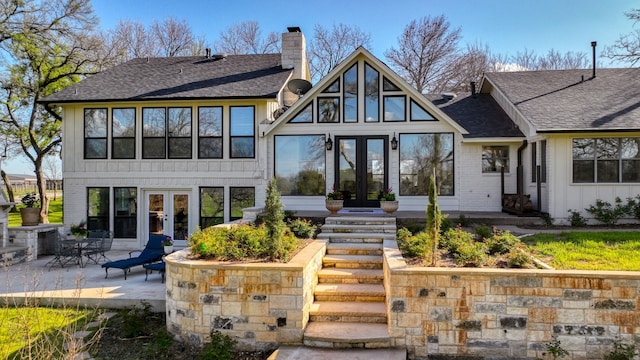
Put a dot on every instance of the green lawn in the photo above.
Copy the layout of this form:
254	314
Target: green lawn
55	213
607	250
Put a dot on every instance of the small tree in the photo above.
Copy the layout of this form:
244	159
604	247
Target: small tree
434	219
274	220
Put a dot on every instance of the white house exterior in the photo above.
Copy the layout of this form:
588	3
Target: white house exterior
169	144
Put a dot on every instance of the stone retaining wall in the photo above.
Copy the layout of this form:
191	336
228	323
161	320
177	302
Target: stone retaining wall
496	313
259	304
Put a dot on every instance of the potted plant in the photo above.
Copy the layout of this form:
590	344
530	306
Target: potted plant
168	244
388	202
30	214
80	230
334	201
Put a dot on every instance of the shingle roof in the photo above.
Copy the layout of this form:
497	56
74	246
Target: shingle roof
560	100
193	77
480	115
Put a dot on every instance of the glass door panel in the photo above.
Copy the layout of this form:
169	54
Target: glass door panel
168	214
361	169
347	168
156	214
180	216
376	166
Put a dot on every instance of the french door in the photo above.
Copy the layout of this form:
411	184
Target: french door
361	166
168	214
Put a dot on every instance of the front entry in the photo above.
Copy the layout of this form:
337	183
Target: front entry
361	169
169	214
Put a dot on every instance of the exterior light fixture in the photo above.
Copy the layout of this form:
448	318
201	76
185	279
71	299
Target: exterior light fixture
394	142
329	143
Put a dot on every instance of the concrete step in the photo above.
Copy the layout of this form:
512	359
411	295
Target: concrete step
350	276
342	311
352	261
367	237
314	353
347	335
354	249
355	228
360	220
350	292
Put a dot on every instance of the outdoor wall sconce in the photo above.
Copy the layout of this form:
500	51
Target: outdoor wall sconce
394	142
329	143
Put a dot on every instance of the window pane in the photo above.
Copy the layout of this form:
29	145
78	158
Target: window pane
583	171
124	148
241	198
608	148
608	171
300	164
153	122
95	149
543	161
394	108
328	110
351	94
631	170
304	116
98	208
242	121
420	154
242	147
210	121
371	94
124	123
387	85
333	88
630	148
95	123
180	148
494	158
583	149
418	113
179	122
534	162
211	206
210	148
153	148
125	213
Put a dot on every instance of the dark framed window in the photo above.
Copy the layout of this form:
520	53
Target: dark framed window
98	208
371	94
210	132
350	94
240	198
304	116
179	131
211	206
418	113
242	131
606	160
543	161
95	133
300	164
387	85
333	88
534	162
154	133
494	158
420	156
394	108
123	132
125	212
328	109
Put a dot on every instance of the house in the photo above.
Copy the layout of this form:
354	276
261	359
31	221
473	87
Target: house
163	145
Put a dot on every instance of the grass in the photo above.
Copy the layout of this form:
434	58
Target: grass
55	213
610	250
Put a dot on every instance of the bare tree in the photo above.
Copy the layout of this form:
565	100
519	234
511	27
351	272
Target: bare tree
173	37
627	47
553	60
330	46
246	38
426	54
470	66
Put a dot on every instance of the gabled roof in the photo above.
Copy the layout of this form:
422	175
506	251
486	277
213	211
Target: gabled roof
479	114
183	78
571	100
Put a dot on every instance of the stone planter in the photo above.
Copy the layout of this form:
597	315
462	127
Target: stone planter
30	216
334	205
389	206
168	249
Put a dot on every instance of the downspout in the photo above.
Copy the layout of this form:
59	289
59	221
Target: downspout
520	178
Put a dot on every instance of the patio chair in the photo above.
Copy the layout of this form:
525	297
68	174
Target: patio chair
152	252
64	252
98	242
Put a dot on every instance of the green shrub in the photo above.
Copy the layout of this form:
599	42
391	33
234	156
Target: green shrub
463	221
634	206
274	221
576	219
403	234
500	242
483	231
302	228
518	257
220	347
133	320
621	352
548	220
445	224
607	213
413	226
470	254
452	239
413	245
555	349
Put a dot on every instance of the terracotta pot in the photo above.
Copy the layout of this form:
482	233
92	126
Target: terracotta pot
389	206
30	216
334	205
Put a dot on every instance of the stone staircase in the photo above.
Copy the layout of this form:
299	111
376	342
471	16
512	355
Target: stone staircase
349	309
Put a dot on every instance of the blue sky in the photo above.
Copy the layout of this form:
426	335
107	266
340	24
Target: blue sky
506	26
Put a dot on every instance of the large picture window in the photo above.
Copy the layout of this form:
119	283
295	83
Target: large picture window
125	210
606	160
328	109
95	133
300	164
211	206
420	155
241	198
98	208
242	130
123	130
495	158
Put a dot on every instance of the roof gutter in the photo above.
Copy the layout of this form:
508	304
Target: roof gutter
576	131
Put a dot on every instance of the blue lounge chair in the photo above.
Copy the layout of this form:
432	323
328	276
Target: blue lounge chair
152	252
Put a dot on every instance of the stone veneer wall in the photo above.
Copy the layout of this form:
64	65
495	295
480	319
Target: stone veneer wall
259	304
497	313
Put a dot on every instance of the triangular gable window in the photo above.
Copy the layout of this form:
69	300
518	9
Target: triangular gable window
333	88
418	113
304	116
387	85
